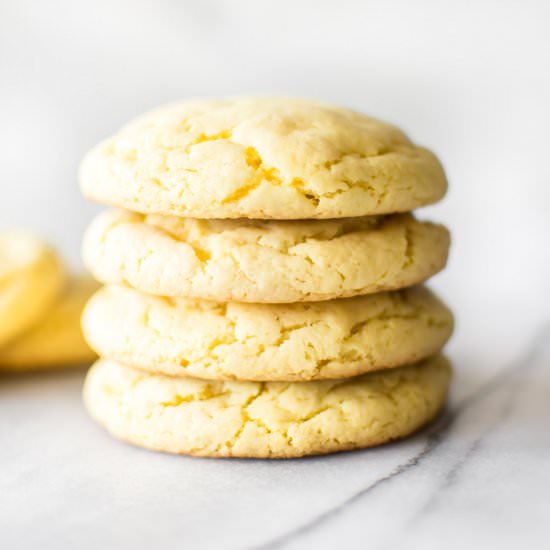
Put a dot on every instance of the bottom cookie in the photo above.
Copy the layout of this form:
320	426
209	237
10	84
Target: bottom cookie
57	341
264	419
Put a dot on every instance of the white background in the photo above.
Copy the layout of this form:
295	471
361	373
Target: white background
469	79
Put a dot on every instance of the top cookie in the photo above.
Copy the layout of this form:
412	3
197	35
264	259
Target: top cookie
261	158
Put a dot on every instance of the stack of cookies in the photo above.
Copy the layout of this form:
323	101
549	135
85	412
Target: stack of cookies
261	276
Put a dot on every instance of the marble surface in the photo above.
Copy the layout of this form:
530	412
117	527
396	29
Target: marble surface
468	79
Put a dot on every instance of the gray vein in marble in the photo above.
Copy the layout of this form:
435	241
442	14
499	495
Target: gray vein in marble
331	512
508	380
435	437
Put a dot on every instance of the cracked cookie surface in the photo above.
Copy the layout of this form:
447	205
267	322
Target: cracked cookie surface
57	340
261	158
31	278
263	261
265	420
285	342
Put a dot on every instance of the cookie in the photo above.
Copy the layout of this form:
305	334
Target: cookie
263	261
57	340
285	342
264	420
261	158
31	279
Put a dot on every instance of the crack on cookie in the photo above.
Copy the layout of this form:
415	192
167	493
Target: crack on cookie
159	183
254	160
244	415
224	135
329	164
241	192
285	333
206	394
272	175
409	247
262	173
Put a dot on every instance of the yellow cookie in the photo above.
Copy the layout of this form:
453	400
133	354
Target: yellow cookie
261	158
263	261
57	341
290	342
31	278
265	420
